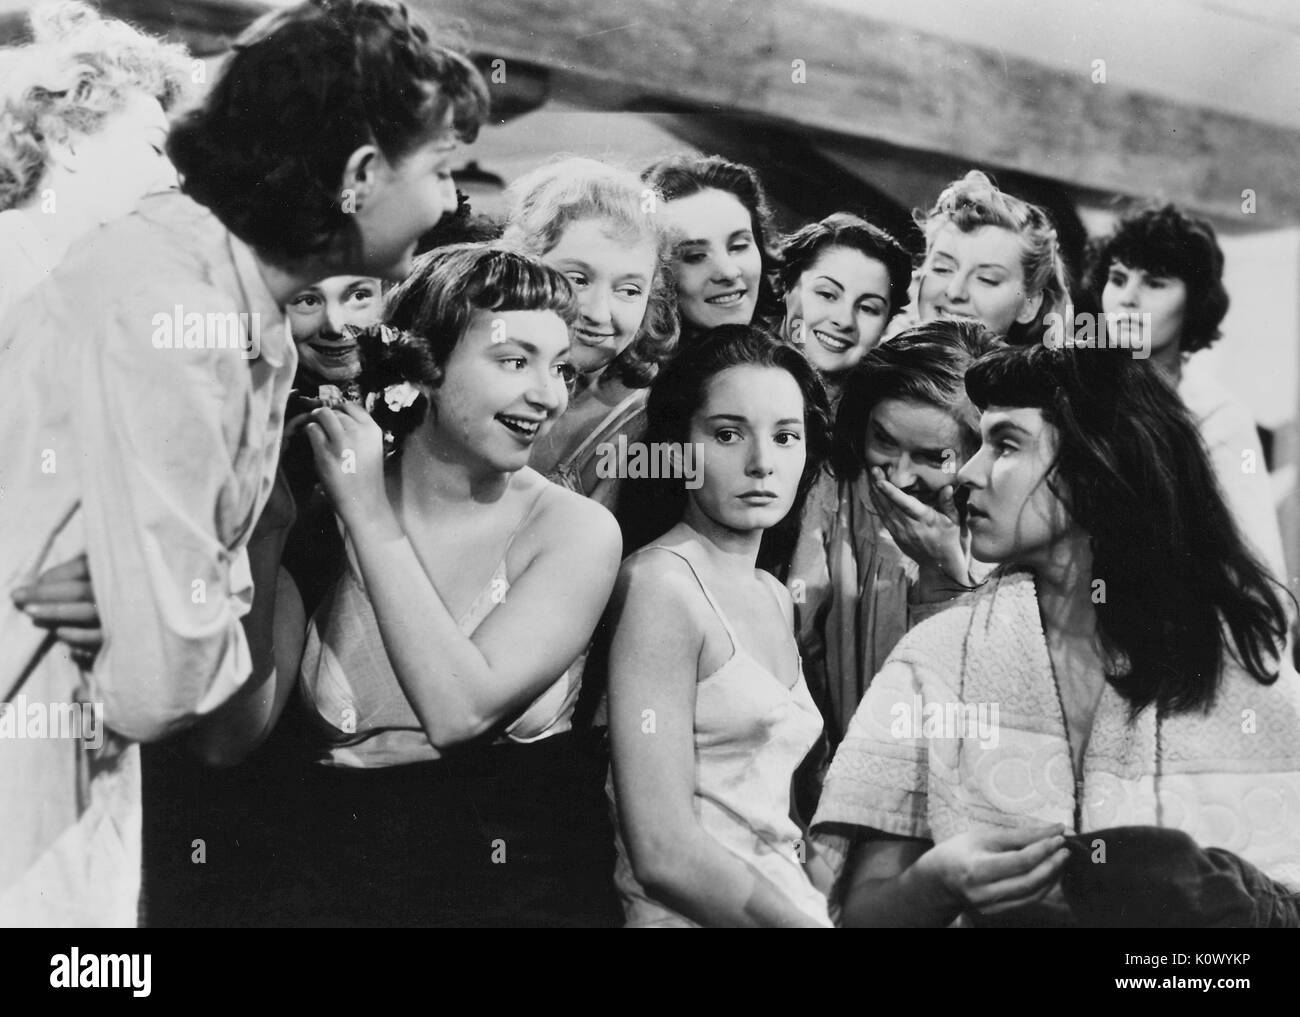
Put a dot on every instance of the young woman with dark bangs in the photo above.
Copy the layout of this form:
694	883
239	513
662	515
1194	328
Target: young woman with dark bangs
1132	645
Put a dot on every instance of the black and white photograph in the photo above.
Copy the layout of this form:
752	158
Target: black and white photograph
593	464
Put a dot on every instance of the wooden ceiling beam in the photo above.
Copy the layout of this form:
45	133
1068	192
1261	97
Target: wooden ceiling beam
865	78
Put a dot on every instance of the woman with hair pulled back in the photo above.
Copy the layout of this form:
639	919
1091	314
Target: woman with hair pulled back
598	225
843	280
709	714
724	241
1120	684
83	129
321	150
881	544
439	668
992	257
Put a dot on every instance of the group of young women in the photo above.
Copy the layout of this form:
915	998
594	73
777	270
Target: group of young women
521	689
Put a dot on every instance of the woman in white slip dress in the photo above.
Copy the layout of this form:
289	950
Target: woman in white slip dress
709	712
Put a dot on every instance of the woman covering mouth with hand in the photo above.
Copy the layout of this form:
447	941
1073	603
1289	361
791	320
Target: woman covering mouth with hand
881	545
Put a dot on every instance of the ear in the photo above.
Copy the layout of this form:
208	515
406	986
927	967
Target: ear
793	326
1029	309
359	174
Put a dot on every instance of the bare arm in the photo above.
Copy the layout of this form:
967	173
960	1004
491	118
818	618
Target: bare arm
654	668
471	684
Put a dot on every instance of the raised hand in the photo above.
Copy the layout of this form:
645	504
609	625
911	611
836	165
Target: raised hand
348	447
929	535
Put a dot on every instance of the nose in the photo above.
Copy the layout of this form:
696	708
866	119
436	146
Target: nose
725	269
1128	293
902	474
975	473
761	462
335	319
547	392
844	317
595	306
956	289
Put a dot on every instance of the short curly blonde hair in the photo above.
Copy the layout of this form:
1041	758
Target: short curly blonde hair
545	202
79	69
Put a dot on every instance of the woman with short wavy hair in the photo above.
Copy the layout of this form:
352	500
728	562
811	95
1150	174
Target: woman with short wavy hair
321	150
451	787
596	223
1161	271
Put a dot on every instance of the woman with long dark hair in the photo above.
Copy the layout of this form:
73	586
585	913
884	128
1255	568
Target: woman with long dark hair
709	713
1122	677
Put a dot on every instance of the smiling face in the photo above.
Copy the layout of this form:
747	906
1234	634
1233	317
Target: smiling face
839	309
316	319
503	386
1133	291
612	279
716	261
1012	514
918	446
976	275
750	432
400	201
126	157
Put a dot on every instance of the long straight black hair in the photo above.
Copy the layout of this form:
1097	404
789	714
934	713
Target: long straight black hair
1183	588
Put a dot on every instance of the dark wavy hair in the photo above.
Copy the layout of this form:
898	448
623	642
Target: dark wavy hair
802	248
923	364
1166	241
649	508
1182	586
428	313
304	89
680	176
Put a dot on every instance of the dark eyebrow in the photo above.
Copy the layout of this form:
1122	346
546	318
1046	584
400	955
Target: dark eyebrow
746	232
834	282
787	421
1003	426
